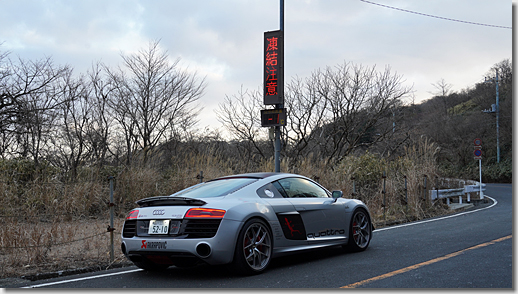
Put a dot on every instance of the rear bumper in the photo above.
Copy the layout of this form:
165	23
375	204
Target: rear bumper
216	250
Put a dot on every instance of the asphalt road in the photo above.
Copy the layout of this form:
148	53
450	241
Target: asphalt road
472	249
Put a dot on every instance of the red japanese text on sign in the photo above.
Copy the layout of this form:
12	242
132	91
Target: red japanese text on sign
271	88
271	58
273	62
271	69
272	44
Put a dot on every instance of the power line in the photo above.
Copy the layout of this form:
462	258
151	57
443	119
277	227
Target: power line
434	16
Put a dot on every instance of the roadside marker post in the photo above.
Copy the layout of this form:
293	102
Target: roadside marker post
478	156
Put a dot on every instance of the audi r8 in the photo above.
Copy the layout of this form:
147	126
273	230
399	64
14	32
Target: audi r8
243	220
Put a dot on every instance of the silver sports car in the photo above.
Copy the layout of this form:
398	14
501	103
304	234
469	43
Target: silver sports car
242	220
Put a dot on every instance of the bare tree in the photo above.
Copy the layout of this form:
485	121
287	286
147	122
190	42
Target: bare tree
155	99
443	91
70	145
306	113
7	139
240	114
36	96
98	133
28	96
332	113
360	105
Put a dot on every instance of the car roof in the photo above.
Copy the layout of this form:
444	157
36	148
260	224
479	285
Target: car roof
259	175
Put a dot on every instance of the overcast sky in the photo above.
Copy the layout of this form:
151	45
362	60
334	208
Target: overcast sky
223	39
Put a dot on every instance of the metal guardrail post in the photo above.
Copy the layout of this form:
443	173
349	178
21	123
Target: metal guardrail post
437	186
424	190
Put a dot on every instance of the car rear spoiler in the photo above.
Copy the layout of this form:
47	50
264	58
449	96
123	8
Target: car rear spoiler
169	201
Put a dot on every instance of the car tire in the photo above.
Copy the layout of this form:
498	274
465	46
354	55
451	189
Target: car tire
360	231
254	248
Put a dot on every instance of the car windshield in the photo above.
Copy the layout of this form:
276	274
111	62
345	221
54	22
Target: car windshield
215	188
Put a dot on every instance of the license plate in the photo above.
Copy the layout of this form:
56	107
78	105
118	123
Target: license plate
158	227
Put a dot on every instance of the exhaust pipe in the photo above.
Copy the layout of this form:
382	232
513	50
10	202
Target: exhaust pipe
203	250
123	248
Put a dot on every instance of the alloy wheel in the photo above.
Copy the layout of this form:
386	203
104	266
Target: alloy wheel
257	246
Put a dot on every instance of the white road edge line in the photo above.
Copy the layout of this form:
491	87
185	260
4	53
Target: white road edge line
82	279
377	230
437	219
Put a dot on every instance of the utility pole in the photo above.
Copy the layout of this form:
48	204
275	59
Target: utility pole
496	110
497	122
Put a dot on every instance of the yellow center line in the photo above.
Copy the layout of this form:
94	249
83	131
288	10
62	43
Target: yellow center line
416	266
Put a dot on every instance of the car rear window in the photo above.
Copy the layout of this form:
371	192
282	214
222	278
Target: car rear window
215	188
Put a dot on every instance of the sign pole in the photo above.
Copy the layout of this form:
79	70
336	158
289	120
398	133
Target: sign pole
282	15
277	155
273	75
480	175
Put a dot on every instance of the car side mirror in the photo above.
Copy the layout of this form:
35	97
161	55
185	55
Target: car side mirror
337	194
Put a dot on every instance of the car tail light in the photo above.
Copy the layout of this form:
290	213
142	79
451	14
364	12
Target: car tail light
205	213
132	214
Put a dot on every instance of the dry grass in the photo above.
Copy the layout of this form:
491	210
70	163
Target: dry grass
29	247
49	226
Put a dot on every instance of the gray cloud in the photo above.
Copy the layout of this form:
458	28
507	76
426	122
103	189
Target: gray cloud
222	39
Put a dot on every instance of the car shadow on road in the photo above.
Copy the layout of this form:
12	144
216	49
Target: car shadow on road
204	272
308	256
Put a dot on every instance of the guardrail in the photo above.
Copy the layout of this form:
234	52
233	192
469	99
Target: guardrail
459	192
